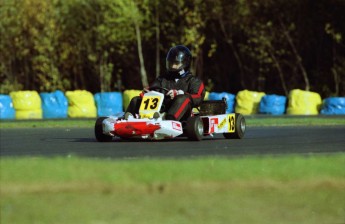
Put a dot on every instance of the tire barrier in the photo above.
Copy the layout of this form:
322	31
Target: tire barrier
108	103
230	99
272	104
27	104
333	106
54	105
6	107
207	95
81	104
128	95
247	102
303	102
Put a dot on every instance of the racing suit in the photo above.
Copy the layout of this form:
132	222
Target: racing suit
181	105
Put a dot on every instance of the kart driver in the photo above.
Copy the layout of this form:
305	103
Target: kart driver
185	90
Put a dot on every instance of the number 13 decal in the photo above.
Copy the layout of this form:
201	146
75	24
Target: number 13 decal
151	103
231	120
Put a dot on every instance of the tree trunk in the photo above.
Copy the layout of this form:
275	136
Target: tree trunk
236	55
101	74
335	73
298	57
141	57
158	66
197	68
280	72
336	81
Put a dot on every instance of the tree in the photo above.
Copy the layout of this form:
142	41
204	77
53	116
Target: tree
11	47
261	45
338	61
137	12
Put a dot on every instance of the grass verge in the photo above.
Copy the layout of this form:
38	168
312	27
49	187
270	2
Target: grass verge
291	189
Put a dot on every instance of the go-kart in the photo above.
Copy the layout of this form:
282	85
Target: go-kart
150	123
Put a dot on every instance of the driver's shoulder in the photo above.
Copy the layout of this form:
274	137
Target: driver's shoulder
193	78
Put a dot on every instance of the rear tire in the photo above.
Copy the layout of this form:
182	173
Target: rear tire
99	131
240	128
194	128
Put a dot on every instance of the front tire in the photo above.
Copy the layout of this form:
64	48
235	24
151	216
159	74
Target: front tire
99	131
240	128
194	128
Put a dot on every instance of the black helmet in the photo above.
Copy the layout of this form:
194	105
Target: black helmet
178	59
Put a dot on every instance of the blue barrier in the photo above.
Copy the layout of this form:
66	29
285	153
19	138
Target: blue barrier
333	105
108	103
6	107
272	104
230	99
54	105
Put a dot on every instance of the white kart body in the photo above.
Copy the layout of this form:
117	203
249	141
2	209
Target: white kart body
150	123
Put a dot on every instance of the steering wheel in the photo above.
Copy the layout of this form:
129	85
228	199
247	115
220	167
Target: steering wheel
165	90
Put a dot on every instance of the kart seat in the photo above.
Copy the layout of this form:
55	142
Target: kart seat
213	107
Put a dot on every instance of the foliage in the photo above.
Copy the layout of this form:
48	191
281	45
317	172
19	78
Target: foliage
111	45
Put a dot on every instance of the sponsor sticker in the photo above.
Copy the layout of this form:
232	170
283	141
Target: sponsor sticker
176	126
222	124
149	115
213	123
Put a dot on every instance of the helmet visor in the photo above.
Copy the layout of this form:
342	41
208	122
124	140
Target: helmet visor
174	65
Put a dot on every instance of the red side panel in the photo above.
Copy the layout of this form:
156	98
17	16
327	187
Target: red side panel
128	129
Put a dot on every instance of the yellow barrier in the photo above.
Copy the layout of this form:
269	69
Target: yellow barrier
29	114
303	102
247	102
128	95
81	104
27	104
206	95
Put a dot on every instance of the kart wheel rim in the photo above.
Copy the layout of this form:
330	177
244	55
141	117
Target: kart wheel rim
200	128
243	125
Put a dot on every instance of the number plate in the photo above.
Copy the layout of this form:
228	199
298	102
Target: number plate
150	104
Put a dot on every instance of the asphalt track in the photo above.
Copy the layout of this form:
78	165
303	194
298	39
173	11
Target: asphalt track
49	142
